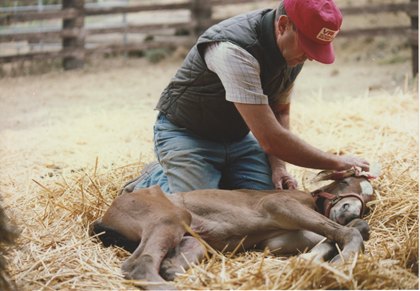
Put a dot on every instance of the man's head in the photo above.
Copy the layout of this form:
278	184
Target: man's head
305	29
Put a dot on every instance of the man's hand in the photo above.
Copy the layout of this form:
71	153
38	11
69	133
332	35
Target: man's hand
350	161
283	180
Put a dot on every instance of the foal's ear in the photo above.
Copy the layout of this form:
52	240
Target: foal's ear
312	181
334	175
323	176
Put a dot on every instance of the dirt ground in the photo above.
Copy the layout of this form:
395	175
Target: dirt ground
55	124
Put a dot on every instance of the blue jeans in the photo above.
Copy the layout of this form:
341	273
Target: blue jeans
188	162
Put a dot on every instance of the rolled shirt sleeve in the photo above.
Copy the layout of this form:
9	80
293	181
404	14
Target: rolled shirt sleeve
238	71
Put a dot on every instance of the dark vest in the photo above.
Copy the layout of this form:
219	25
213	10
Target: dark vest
195	97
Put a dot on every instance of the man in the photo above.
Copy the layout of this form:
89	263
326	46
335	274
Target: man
224	117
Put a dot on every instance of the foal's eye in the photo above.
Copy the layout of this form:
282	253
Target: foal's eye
344	183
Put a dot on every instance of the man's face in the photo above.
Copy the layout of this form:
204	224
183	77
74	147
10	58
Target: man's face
288	43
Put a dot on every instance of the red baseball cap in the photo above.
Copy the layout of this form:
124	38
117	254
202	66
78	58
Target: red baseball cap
317	23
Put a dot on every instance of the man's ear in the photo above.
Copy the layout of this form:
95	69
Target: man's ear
282	23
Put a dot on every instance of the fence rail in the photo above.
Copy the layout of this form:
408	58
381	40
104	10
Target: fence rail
73	32
12	17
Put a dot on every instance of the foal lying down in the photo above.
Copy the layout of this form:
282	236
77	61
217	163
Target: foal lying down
287	222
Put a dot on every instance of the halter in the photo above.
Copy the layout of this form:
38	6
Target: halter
324	201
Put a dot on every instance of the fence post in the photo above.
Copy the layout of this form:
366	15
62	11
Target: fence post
201	11
74	43
414	38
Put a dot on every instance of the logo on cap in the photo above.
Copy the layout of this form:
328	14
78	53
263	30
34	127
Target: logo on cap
327	34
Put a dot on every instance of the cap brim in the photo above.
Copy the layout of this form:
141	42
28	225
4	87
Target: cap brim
323	53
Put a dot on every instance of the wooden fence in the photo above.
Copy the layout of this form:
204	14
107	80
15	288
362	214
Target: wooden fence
73	32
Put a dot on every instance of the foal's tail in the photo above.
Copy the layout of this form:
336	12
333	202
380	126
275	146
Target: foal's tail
110	237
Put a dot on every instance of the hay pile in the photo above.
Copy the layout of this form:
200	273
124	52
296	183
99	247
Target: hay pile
56	253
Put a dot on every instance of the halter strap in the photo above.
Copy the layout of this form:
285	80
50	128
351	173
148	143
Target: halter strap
324	201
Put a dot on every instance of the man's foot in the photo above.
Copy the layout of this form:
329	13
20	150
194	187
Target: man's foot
144	174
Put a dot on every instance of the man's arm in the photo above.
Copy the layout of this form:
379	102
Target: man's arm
243	88
281	178
278	141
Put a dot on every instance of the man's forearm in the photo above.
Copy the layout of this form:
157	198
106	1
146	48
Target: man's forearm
282	114
276	163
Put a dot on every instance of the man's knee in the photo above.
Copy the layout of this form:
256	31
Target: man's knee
192	177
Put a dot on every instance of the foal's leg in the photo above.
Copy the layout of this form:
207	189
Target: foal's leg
327	249
144	263
290	214
189	251
291	242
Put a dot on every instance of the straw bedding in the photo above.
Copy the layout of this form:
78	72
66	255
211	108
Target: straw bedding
55	251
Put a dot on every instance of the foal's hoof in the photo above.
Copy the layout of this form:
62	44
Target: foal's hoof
169	269
362	226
